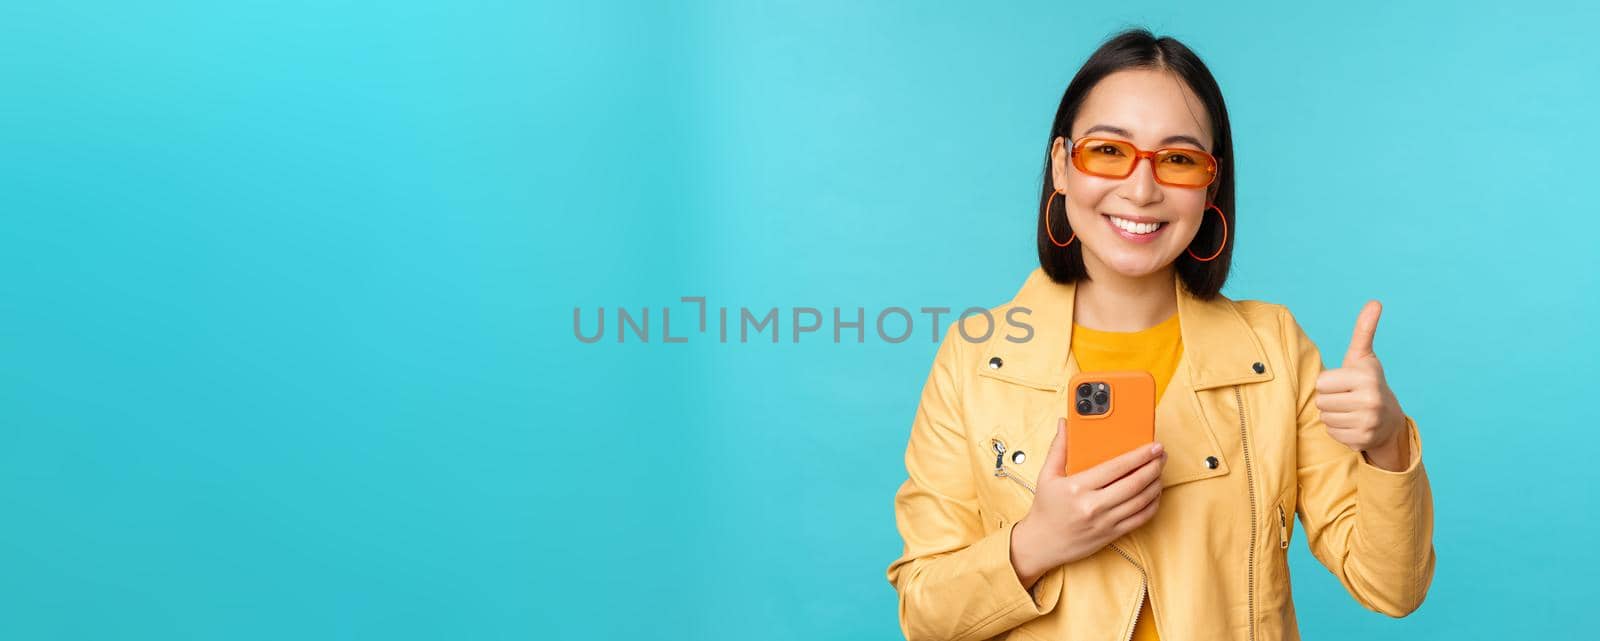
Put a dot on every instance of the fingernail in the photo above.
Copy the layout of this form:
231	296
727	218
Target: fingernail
1155	449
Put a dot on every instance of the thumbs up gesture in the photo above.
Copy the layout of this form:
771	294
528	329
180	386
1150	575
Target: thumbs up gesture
1357	405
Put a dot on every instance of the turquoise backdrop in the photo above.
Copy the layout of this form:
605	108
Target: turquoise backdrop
287	294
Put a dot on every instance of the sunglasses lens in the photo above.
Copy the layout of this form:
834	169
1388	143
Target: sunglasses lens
1106	158
1185	168
1115	159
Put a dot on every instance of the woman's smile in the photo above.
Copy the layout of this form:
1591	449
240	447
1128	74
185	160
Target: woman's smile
1134	231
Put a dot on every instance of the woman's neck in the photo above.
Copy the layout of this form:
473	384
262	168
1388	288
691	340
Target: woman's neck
1112	302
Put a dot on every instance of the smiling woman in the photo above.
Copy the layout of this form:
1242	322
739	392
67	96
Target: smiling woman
1139	91
1185	537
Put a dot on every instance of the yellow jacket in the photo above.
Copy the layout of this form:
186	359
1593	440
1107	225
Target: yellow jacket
1246	452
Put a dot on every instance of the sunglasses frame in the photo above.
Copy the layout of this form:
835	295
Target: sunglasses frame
1074	151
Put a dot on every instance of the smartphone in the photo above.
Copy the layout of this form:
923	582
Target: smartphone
1111	413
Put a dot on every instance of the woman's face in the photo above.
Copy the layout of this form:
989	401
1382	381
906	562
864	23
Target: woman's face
1151	109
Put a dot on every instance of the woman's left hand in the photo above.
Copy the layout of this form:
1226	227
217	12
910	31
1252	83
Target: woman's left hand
1357	405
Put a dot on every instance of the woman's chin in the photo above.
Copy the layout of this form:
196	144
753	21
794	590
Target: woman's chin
1136	264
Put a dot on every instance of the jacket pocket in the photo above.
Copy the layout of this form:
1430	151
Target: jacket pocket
1008	478
999	374
1285	522
1285	515
1013	423
1275	588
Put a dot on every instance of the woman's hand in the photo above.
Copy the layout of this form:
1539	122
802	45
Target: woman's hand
1075	516
1357	405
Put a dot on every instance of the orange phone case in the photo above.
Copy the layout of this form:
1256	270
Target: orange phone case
1129	421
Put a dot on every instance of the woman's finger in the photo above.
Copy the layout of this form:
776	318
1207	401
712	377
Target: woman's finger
1343	379
1130	485
1340	420
1136	519
1150	492
1342	402
1055	461
1103	474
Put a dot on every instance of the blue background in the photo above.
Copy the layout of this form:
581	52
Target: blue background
287	288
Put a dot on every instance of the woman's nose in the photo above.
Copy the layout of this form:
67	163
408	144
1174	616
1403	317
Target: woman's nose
1140	187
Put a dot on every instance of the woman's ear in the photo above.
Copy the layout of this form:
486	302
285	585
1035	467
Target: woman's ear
1058	163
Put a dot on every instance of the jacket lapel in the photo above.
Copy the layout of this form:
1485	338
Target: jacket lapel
1219	350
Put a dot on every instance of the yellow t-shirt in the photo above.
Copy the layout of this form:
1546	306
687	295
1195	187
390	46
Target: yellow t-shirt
1155	350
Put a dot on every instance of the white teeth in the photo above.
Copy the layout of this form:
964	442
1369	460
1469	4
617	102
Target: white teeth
1133	227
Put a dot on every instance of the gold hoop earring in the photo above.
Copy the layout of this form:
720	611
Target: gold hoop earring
1217	253
1047	229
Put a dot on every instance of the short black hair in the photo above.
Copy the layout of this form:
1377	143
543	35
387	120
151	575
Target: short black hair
1139	49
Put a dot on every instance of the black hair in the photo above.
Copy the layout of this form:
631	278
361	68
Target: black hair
1139	49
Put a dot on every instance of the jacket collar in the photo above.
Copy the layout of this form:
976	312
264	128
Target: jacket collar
1219	346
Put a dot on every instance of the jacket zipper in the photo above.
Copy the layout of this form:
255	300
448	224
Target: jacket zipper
1283	530
1001	470
1144	588
1250	480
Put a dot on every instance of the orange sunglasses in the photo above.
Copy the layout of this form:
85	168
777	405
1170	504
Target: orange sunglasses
1174	166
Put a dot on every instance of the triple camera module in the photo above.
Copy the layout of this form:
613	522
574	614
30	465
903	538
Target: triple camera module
1093	398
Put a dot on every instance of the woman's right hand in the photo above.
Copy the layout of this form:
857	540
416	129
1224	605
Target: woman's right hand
1075	516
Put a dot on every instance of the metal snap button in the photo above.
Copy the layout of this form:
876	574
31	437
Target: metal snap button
1211	462
995	363
1259	368
1018	457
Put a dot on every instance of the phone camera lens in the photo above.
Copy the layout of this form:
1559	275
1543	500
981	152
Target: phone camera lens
1084	406
1085	389
1101	397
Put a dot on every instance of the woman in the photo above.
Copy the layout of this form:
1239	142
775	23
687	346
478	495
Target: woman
1187	537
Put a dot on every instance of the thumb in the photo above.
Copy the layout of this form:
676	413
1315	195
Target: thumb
1366	329
1055	463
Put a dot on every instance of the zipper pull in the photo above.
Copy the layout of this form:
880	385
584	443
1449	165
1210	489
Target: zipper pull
1283	530
999	457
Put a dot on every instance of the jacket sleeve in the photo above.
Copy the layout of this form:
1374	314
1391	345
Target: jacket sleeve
954	580
1371	527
